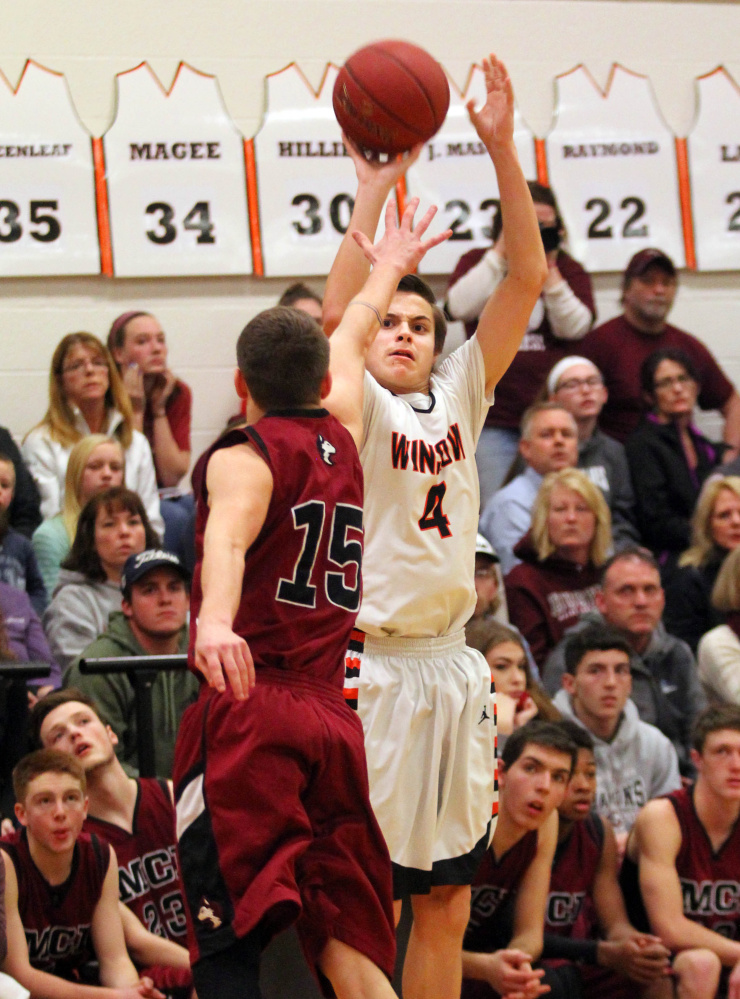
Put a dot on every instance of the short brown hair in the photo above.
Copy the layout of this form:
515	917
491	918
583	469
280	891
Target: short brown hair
45	705
283	355
714	719
631	553
44	761
296	292
412	284
83	556
545	406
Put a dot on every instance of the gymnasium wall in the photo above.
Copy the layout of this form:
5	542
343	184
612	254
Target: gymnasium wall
240	41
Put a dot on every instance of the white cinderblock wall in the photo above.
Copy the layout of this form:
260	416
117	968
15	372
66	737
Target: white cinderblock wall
240	41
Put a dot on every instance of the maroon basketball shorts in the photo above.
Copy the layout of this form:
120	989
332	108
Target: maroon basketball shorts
274	821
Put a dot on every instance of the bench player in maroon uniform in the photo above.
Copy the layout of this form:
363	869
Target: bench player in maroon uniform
137	818
61	892
274	819
683	863
507	911
585	900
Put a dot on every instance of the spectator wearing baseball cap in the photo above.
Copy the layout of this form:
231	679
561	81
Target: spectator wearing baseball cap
152	622
491	595
619	347
488	589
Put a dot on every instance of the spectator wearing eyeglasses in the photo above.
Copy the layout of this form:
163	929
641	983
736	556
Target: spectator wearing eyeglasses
86	396
668	457
577	385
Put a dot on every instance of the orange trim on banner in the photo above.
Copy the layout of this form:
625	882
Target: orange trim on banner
258	266
101	203
684	193
401	195
540	157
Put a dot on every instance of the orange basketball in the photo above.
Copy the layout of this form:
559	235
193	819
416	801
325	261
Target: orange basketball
391	95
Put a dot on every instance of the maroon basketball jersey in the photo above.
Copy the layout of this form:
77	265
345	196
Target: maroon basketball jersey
495	884
572	877
710	882
57	918
148	875
301	589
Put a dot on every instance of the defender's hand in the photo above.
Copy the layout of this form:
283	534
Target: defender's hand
221	656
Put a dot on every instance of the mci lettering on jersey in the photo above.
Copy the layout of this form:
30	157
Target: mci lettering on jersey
54	943
143	874
486	899
710	898
563	908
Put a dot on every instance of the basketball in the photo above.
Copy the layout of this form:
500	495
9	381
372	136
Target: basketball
389	96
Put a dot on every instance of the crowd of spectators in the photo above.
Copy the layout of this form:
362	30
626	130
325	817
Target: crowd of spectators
607	565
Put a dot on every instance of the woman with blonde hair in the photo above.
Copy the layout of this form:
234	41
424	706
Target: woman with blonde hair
86	396
561	556
715	531
719	649
95	463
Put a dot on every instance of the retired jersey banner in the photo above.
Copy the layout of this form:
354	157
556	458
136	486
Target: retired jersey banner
714	168
611	162
306	182
176	179
48	222
455	173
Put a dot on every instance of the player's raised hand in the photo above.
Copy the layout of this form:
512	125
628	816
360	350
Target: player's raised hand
402	246
494	122
374	172
224	657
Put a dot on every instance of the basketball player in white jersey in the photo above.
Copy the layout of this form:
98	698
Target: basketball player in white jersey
423	697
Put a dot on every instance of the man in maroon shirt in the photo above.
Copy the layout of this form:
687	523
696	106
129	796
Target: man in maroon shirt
619	347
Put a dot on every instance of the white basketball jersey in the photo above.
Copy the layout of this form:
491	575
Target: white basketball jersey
421	501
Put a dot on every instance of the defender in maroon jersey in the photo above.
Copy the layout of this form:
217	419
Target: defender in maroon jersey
61	894
273	812
509	892
137	818
683	863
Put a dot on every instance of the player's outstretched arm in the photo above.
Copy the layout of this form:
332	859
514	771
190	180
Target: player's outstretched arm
148	949
375	181
531	899
41	984
657	838
397	253
503	321
640	956
106	930
239	491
